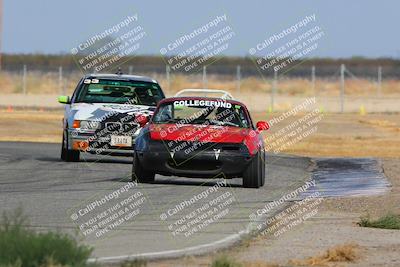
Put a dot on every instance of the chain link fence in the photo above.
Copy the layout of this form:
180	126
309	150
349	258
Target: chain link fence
338	88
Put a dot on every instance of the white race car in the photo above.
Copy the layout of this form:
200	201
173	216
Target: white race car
105	114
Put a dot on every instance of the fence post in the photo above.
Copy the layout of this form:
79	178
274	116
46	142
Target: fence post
379	81
204	77
238	79
24	80
64	90
313	80
273	90
167	73
60	79
342	69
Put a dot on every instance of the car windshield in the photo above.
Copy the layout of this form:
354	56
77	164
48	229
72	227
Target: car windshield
211	112
121	92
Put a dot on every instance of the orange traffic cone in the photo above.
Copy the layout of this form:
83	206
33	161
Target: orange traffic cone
10	109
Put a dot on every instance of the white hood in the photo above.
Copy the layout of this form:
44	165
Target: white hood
95	111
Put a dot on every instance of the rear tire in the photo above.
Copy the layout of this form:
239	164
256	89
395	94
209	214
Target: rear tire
252	176
67	154
139	174
262	167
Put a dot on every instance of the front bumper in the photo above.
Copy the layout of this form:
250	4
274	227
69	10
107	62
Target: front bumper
89	142
204	163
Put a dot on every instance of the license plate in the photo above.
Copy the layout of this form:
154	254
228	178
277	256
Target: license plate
120	140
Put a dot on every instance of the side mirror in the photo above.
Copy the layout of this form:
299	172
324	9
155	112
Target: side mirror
262	125
142	120
63	99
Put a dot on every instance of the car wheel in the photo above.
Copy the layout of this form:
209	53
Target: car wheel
252	174
262	168
139	174
67	154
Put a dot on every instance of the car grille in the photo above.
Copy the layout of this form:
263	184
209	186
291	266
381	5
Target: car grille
120	128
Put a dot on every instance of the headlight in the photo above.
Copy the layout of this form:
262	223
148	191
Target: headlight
86	125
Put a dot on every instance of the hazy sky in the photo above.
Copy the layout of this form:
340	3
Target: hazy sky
352	28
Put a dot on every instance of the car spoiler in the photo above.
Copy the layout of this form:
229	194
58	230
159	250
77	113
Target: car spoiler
205	92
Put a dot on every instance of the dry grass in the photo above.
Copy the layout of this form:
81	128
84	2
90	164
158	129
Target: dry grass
382	124
31	126
339	253
37	82
349	135
286	86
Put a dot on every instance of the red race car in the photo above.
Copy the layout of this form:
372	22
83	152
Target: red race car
201	137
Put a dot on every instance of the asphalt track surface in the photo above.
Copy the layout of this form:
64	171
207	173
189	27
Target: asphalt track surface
148	220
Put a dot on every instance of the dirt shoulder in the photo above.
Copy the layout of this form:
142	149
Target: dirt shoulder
335	224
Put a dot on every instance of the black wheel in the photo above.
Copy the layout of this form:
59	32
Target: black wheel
252	175
262	167
139	174
67	154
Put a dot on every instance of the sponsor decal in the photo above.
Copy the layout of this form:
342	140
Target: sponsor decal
202	103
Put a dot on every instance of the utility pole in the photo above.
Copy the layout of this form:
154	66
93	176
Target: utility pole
64	92
273	89
342	70
24	80
168	78
205	77
313	80
379	81
238	79
60	79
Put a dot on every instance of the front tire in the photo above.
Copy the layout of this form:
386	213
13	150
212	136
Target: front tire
67	154
262	167
252	176
139	174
